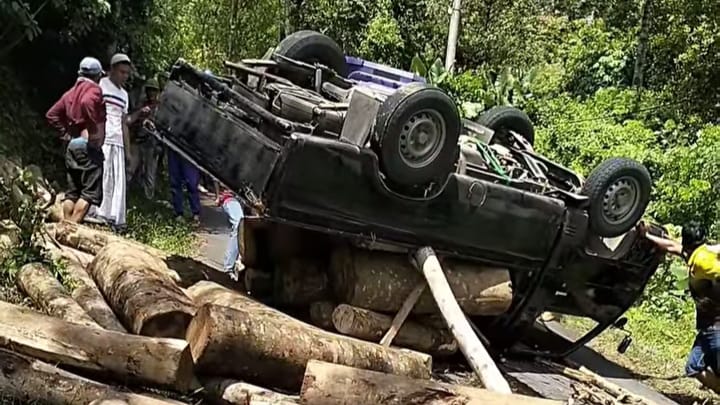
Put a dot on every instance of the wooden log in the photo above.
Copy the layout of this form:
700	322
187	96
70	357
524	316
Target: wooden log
333	384
369	325
475	353
30	380
219	391
299	282
380	281
137	287
156	361
321	313
86	293
46	292
258	344
185	271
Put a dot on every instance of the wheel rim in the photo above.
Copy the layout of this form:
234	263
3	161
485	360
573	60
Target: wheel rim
621	199
421	138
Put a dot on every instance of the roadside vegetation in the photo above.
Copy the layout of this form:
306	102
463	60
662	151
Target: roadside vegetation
635	78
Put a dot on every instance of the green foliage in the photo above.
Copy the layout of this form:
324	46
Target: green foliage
153	224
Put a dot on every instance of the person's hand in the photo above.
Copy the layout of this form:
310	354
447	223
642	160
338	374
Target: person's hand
145	111
642	228
65	137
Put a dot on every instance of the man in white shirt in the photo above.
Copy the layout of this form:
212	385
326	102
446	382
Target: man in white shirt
117	103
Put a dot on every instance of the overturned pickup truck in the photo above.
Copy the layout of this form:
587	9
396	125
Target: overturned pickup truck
350	165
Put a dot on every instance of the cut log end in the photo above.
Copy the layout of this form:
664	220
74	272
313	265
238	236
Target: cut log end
170	325
198	332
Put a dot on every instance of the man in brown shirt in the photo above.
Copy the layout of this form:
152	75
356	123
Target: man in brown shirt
79	117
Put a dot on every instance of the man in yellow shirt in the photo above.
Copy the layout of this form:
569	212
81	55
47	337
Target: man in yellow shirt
704	267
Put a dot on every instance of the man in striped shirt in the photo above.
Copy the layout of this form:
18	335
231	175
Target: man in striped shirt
117	102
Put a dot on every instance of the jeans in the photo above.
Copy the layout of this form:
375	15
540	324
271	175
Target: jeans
183	173
234	212
705	352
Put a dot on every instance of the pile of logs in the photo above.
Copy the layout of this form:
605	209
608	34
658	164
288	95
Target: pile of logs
128	315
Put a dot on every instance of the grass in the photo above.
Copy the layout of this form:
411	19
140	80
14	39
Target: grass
152	223
658	353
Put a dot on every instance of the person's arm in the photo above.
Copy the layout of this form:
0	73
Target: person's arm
94	112
125	128
668	245
56	118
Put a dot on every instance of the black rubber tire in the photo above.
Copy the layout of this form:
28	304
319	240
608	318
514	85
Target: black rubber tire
311	47
597	186
505	117
394	114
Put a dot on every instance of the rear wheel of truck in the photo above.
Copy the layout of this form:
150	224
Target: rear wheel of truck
416	135
310	47
619	191
502	119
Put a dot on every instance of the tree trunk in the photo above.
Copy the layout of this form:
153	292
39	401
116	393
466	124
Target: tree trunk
86	293
31	381
369	325
230	392
381	281
299	283
321	315
475	353
642	47
333	384
138	288
46	292
185	271
264	346
163	362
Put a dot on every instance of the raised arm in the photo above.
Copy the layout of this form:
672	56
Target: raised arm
668	245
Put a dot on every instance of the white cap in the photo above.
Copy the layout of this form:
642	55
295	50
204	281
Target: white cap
120	58
90	66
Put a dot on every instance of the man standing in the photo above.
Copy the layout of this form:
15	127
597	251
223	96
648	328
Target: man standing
79	117
117	102
147	150
183	173
704	267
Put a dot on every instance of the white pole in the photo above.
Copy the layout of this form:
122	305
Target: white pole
453	35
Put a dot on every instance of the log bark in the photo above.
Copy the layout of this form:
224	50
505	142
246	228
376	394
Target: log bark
475	353
156	361
261	345
299	282
185	271
369	325
46	292
31	380
86	293
219	391
321	314
333	384
380	281
138	288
